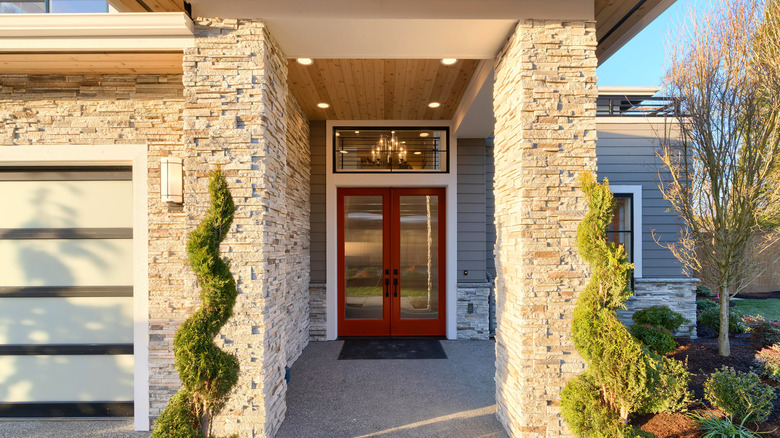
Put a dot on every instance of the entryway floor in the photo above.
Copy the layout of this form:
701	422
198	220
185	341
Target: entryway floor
453	397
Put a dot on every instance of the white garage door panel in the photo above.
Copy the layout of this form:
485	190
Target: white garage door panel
66	321
67	204
55	262
66	378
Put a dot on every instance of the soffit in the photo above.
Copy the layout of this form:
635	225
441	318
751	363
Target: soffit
380	89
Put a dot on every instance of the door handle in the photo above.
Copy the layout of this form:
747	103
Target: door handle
395	287
387	287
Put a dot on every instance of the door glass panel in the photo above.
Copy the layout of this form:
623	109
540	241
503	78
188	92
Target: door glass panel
419	234
363	251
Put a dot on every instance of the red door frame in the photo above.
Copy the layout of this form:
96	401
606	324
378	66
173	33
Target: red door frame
391	324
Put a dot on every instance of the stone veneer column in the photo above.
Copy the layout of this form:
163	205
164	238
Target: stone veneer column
235	90
545	135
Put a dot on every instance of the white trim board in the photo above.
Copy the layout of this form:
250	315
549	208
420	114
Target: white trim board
636	191
334	180
135	155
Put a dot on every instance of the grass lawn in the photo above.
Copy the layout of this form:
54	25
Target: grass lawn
768	308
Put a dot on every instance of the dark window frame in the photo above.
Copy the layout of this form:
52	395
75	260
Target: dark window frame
447	151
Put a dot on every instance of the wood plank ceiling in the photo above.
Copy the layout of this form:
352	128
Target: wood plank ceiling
380	89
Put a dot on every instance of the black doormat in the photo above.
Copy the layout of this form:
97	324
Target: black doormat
392	349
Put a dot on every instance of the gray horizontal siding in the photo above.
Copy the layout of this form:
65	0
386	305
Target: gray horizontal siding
317	218
490	209
626	155
472	192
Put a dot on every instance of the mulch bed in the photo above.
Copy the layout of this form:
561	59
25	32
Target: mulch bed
702	357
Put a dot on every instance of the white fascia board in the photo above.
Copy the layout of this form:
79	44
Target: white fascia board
156	32
628	91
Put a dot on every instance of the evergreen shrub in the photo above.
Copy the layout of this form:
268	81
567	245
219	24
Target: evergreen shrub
740	395
710	318
705	305
657	339
623	376
660	316
207	373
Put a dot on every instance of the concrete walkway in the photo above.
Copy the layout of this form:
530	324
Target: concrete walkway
452	397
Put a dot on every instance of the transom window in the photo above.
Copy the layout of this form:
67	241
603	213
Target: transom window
405	149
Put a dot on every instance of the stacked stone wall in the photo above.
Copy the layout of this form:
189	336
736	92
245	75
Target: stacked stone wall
679	294
473	311
545	135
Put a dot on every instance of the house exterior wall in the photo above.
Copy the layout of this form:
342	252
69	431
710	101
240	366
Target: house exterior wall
545	135
473	307
627	150
317	298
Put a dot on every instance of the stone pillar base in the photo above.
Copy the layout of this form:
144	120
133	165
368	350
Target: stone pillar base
474	310
679	294
317	312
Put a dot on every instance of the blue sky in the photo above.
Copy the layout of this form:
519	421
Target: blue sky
642	61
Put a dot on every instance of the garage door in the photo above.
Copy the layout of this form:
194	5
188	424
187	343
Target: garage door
66	291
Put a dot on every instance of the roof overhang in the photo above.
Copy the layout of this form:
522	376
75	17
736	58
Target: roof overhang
94	43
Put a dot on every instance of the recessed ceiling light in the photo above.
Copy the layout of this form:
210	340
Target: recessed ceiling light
417	153
323	105
338	134
343	151
307	61
434	105
424	134
357	132
449	61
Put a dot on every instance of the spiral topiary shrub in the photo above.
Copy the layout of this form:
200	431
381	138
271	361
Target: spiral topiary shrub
207	373
623	376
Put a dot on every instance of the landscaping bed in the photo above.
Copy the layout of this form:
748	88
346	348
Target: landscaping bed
703	359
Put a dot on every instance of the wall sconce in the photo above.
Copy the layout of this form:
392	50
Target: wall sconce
171	180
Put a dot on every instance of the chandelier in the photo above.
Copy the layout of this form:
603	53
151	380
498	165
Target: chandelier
388	151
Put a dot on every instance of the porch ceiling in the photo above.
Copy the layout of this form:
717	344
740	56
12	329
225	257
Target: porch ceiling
380	89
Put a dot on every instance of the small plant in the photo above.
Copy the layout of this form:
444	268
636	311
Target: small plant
705	305
740	395
655	338
660	316
715	427
704	292
762	331
710	318
769	362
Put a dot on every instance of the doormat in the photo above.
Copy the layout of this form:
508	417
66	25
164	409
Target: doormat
355	349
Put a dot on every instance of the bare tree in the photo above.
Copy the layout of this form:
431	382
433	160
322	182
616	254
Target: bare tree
721	148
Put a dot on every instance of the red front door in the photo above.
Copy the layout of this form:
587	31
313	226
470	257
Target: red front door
391	262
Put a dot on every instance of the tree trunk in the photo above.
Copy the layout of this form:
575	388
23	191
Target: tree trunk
723	334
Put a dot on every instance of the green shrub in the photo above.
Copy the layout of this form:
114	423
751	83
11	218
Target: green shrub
657	339
710	318
660	316
623	376
207	373
762	331
740	395
705	305
704	292
769	362
715	427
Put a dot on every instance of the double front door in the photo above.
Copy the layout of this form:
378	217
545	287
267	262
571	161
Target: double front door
391	261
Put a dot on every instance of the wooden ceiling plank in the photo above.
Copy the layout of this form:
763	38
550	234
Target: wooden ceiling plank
389	95
611	16
426	90
358	85
349	82
338	81
127	6
459	88
412	101
301	87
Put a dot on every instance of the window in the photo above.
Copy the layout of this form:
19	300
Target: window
379	150
55	6
626	227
